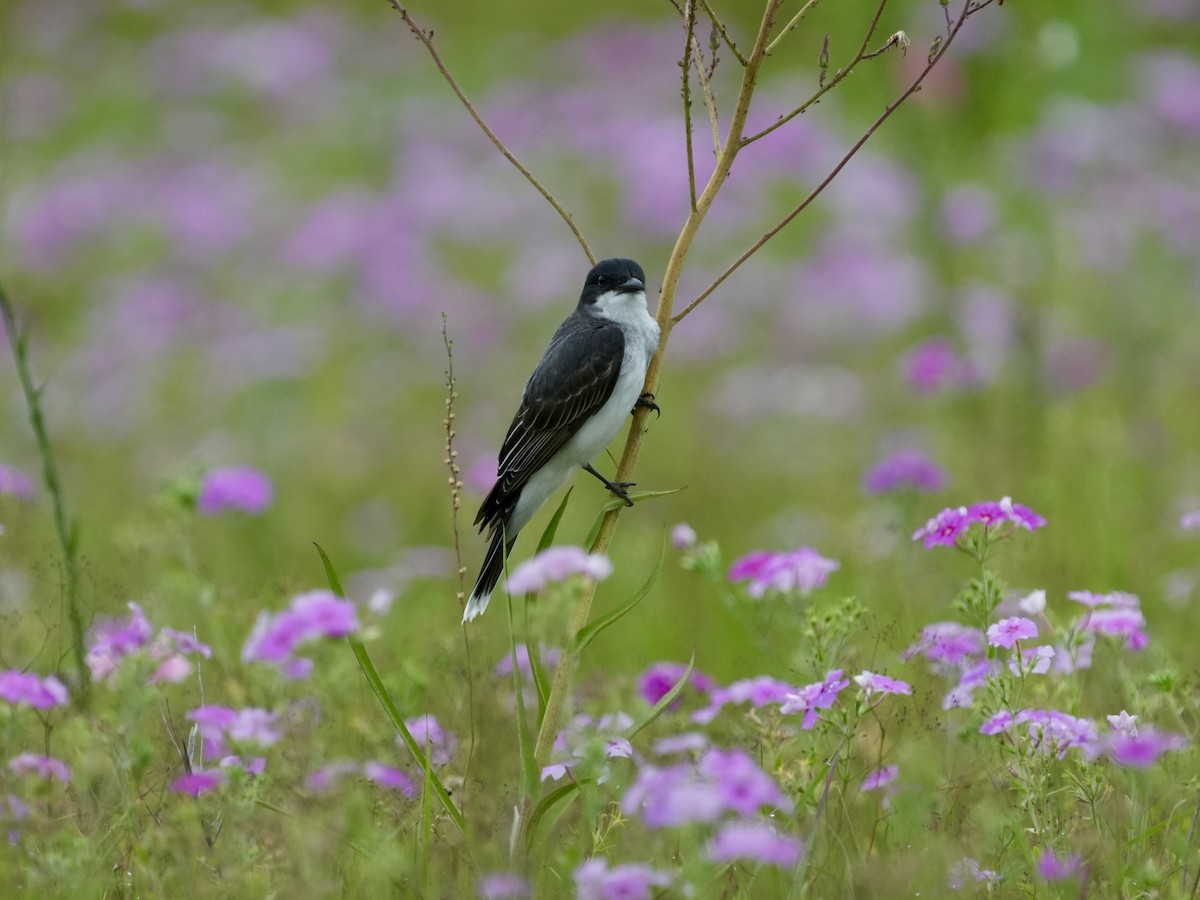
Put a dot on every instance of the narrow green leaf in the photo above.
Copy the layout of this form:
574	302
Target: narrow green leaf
546	805
540	681
591	631
617	503
530	782
389	707
667	699
552	529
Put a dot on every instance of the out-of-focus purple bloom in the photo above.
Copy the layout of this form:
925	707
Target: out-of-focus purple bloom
969	870
254	725
46	767
872	683
1032	660
1053	867
803	570
115	639
997	724
812	697
1190	520
555	564
334	234
426	730
1127	623
255	767
503	886
904	470
1033	603
754	840
504	666
26	688
239	488
320	780
1140	750
1050	731
935	366
1124	723
948	644
1120	599
968	213
1008	631
658	680
198	782
757	691
683	536
973	677
880	778
173	670
555	771
688	742
311	616
389	777
594	880
741	784
15	483
1173	88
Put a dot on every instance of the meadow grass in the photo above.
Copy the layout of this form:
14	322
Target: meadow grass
907	606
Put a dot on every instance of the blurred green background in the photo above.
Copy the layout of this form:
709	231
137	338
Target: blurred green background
233	228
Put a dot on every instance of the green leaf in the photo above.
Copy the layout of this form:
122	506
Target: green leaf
618	503
540	681
667	699
389	707
548	535
591	631
531	781
566	792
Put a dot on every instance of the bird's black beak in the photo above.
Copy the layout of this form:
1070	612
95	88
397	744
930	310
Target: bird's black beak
632	286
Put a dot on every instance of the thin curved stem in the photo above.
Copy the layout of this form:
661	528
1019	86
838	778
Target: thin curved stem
426	38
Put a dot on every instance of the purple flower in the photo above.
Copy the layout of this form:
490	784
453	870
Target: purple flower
1053	867
426	730
595	881
741	784
1190	520
15	483
504	666
803	570
46	767
1124	723
812	697
880	778
658	680
254	725
388	777
753	840
113	640
944	528
1054	732
172	670
503	886
936	366
968	214
234	488
973	677
969	870
1141	749
555	564
904	470
872	683
997	724
1123	622
688	742
757	691
320	780
948	644
1032	660
311	616
198	782
25	688
683	536
1120	599
1007	632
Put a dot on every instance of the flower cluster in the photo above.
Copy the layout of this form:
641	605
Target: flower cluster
813	697
555	564
801	570
311	616
657	681
946	527
25	688
588	740
114	640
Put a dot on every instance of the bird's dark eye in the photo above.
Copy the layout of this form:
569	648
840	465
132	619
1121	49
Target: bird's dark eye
601	280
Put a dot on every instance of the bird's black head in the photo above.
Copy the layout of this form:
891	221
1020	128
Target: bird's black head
612	276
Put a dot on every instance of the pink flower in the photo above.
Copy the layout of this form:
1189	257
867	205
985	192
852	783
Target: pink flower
683	536
1007	632
427	731
388	777
198	782
234	488
1190	520
904	470
1032	660
1142	749
173	669
1124	723
555	564
936	366
812	697
1123	622
311	616
595	881
113	640
658	680
26	688
802	570
872	683
46	767
15	483
753	840
880	778
944	528
1058	868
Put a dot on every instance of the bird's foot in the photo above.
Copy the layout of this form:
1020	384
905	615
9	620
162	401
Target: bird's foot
646	401
619	488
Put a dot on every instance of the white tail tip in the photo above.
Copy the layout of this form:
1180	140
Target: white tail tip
475	607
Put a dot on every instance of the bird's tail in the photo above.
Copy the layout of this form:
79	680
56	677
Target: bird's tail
489	574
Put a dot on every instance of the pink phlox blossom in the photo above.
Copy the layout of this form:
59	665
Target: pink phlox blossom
555	564
683	536
548	657
947	644
1054	732
756	841
389	777
743	786
1008	631
1123	723
1032	660
310	617
802	570
322	779
880	778
1123	622
238	488
594	880
115	639
999	723
198	782
1139	750
1053	867
758	692
426	730
504	886
1122	599
905	469
688	742
25	688
658	680
46	767
15	483
1033	603
816	696
944	528
872	683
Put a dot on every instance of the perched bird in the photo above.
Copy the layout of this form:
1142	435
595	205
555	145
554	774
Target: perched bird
589	379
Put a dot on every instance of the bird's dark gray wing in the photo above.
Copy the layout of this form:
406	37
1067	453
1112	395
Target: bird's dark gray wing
572	382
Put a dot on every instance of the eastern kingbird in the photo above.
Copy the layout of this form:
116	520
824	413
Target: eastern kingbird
589	379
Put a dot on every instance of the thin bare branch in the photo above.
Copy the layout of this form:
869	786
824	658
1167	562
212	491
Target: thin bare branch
723	32
686	65
710	102
791	26
969	8
824	87
426	38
